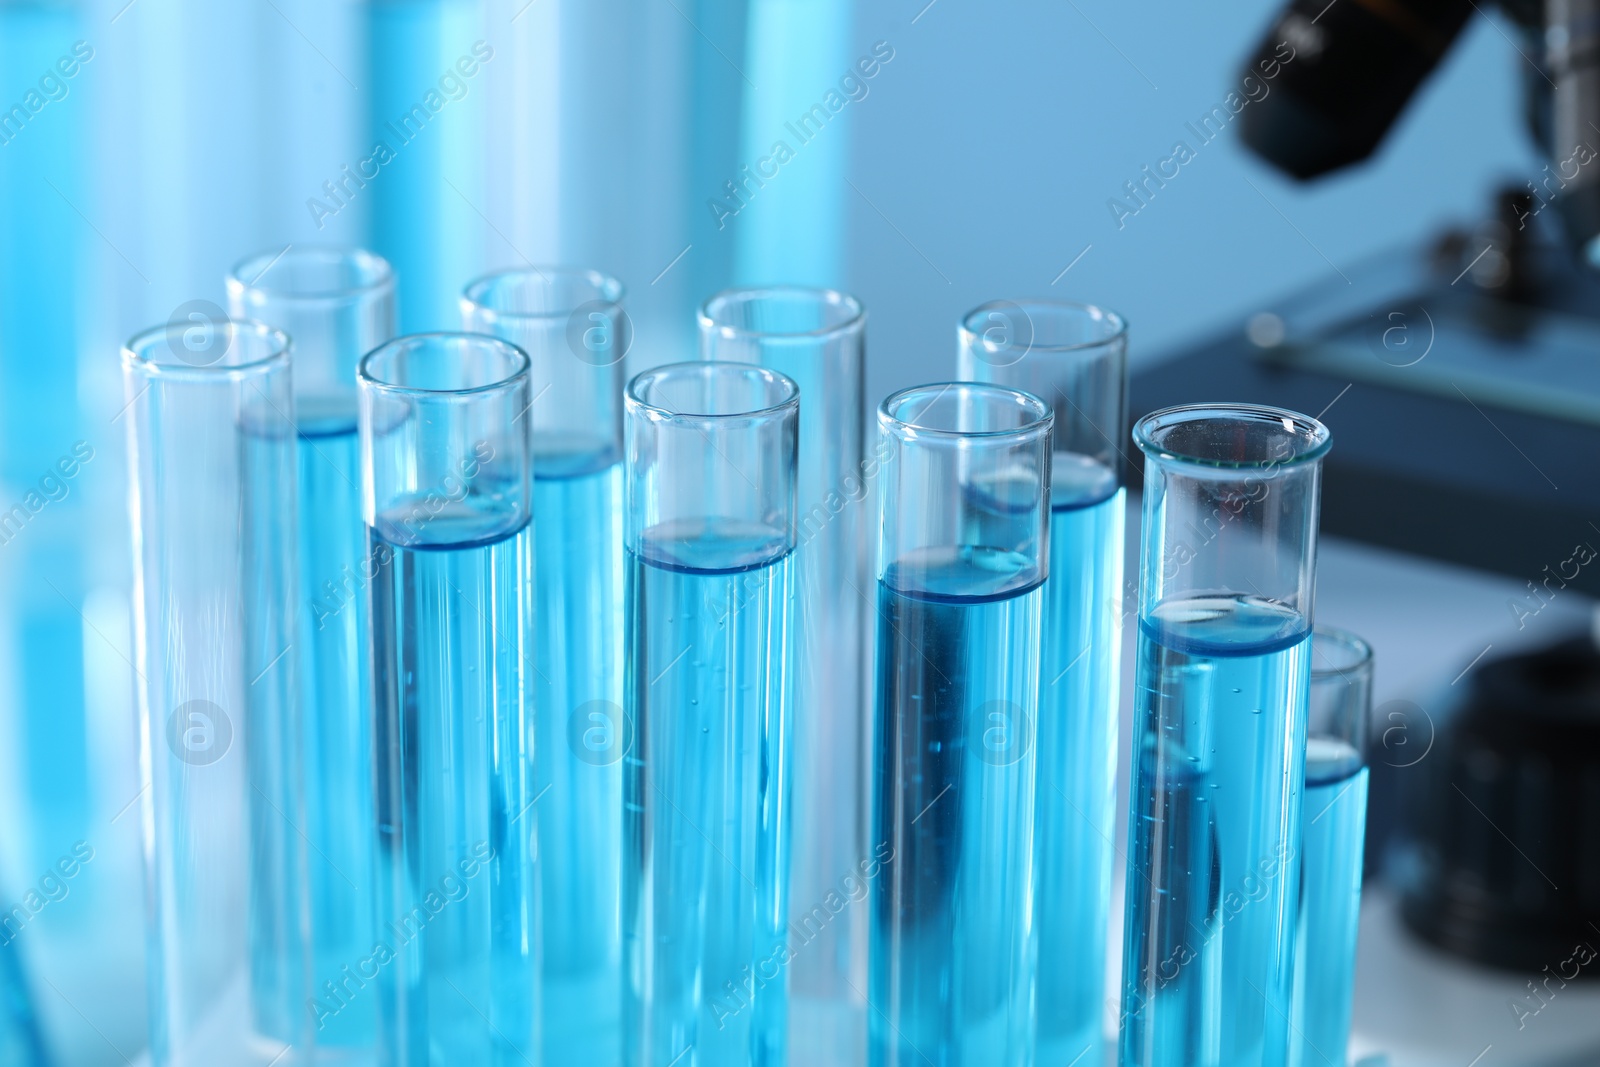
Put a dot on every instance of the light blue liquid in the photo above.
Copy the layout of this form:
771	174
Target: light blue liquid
705	799
1330	901
951	948
581	736
1076	818
1214	832
451	636
334	675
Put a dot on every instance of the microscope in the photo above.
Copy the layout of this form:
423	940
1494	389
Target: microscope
1471	435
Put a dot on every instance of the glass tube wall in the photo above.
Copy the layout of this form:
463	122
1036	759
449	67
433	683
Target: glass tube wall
446	462
817	338
1074	357
337	304
963	549
710	475
211	451
1225	613
576	335
1334	840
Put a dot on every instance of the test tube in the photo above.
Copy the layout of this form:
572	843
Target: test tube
1074	357
572	327
337	304
53	734
1333	842
421	181
710	476
816	337
446	463
212	454
964	541
1225	614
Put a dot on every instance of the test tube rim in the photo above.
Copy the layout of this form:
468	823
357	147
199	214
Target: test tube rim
1346	639
515	377
1041	422
710	324
634	402
1320	437
382	277
1119	332
608	288
135	355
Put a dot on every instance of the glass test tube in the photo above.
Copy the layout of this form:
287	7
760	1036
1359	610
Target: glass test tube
1333	839
572	327
1074	357
816	337
445	464
964	543
48	726
212	455
710	475
421	56
337	304
1225	613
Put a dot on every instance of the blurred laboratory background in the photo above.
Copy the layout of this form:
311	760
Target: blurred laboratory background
997	150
